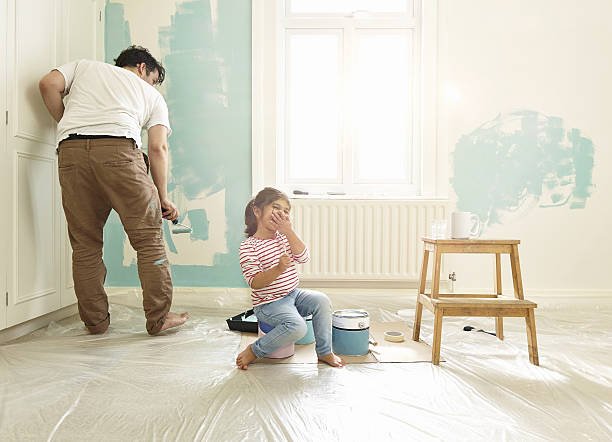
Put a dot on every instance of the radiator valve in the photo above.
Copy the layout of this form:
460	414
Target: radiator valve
453	278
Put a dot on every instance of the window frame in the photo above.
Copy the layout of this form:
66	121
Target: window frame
429	174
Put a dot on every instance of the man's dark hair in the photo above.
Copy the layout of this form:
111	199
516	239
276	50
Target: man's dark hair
134	55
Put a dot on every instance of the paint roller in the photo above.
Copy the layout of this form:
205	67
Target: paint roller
178	227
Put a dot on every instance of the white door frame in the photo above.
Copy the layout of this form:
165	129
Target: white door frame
4	164
34	228
35	266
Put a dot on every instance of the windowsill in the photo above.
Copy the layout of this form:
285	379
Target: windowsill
366	197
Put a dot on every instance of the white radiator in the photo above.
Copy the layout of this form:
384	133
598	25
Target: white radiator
365	239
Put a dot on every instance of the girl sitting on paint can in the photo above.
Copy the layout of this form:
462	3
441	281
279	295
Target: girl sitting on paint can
268	258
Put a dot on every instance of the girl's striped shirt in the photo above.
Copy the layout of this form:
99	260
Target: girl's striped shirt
258	255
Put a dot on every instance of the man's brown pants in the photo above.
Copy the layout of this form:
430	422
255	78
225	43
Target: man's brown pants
97	175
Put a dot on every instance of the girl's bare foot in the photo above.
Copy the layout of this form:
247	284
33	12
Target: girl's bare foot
245	358
174	320
333	360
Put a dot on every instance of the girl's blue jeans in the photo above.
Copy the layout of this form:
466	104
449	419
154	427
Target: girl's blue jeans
287	314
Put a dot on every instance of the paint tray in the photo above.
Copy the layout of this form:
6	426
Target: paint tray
244	322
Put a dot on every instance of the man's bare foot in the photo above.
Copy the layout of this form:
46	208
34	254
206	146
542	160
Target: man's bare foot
174	320
333	360
245	358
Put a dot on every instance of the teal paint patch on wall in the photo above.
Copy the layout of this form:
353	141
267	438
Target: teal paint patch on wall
208	66
116	39
200	224
208	91
116	32
519	157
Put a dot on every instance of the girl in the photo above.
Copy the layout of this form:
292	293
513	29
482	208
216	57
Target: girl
267	259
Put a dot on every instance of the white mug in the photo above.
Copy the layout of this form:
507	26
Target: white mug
464	225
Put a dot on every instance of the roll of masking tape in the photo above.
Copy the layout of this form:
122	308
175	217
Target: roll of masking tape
394	336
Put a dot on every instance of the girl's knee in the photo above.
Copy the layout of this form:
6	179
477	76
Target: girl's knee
297	329
322	302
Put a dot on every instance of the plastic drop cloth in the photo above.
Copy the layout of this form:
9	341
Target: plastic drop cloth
60	383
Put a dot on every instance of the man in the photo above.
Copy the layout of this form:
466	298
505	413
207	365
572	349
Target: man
101	167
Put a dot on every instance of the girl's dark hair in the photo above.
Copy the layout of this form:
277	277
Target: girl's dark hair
265	197
134	55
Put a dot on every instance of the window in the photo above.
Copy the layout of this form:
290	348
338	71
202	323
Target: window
337	97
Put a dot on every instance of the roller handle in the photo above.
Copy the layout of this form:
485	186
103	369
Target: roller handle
174	221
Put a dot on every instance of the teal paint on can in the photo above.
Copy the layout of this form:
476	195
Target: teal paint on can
309	337
350	332
350	342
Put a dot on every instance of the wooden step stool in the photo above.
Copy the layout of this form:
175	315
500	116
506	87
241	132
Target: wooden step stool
452	304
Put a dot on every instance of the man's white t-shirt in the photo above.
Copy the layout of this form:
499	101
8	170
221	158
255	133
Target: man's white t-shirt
102	99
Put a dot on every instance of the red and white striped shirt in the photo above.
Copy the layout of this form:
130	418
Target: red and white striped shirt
258	255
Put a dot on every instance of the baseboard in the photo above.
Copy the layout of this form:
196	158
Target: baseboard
367	284
556	298
19	330
570	293
560	293
363	284
112	291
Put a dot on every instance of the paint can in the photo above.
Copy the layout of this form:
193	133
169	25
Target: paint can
309	337
283	352
351	332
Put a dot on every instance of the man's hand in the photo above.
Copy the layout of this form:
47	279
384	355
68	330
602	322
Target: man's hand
169	210
284	262
282	223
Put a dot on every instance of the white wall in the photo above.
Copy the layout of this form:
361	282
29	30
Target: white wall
494	57
549	56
